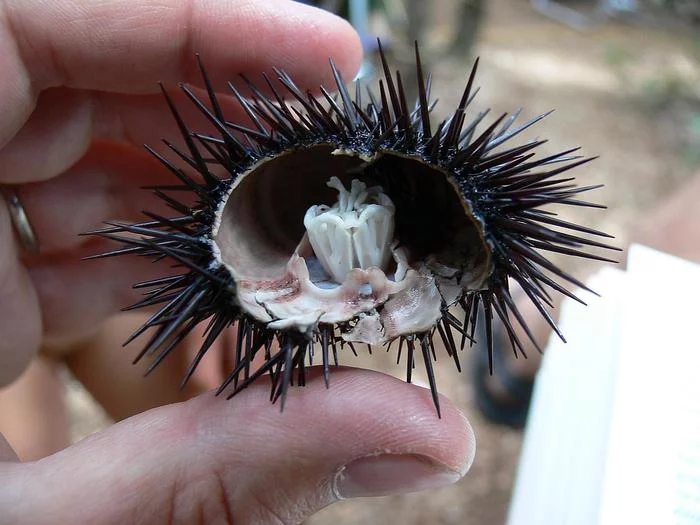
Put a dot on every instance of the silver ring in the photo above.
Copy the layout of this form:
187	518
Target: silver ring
21	221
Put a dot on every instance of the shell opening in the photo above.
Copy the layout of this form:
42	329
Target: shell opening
379	245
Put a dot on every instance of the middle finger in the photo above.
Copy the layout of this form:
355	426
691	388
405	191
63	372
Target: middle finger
66	122
107	184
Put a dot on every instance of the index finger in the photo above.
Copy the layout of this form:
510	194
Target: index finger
128	46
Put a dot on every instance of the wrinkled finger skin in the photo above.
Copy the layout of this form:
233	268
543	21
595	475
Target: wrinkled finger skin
243	462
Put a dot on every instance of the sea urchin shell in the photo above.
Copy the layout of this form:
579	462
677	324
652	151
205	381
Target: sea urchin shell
341	222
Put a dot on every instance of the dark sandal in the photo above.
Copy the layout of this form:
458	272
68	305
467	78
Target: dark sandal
511	412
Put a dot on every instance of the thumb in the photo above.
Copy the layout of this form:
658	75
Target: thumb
244	462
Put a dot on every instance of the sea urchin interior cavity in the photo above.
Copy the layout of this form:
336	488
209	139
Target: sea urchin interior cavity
341	259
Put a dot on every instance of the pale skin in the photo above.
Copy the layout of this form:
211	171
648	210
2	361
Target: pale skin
78	98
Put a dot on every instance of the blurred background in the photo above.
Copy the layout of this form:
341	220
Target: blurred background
624	79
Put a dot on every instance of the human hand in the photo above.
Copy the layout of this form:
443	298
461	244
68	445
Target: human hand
244	462
78	98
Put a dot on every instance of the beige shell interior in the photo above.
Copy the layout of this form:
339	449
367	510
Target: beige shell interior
438	250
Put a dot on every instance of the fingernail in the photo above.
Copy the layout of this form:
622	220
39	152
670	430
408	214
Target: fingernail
391	474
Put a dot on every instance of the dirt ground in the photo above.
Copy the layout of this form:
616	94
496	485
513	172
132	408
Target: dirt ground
628	93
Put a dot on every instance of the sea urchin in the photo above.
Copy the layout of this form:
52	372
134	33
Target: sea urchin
340	222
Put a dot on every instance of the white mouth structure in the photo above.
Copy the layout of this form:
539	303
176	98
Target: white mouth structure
348	268
356	232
